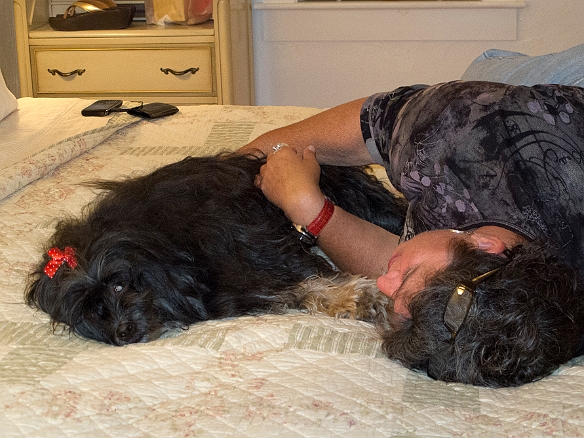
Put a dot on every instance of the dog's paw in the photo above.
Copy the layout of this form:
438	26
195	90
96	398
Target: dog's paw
345	296
373	306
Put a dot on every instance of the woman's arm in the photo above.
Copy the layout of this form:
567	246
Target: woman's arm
290	181
357	246
335	134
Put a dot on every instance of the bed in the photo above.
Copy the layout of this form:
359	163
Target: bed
293	375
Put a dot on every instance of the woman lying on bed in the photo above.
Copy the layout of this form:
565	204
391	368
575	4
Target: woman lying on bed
486	278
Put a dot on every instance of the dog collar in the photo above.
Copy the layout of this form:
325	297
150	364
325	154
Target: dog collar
309	234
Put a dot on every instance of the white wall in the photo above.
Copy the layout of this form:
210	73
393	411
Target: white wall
298	71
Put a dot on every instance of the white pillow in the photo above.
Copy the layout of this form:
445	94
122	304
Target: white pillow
8	102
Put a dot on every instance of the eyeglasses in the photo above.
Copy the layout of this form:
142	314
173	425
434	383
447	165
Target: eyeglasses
460	302
456	312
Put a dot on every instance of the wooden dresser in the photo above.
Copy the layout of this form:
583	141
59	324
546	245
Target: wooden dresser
209	63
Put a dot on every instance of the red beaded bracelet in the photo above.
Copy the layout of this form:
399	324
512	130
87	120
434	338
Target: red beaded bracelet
310	233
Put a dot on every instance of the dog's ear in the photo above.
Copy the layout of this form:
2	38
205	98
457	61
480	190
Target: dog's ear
177	296
53	297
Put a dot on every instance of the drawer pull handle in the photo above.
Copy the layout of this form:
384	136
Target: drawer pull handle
192	70
54	72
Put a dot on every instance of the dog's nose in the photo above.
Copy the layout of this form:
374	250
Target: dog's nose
126	333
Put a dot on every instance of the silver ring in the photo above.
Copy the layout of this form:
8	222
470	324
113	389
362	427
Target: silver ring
470	233
278	147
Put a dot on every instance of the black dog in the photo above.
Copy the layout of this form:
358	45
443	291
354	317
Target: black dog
192	241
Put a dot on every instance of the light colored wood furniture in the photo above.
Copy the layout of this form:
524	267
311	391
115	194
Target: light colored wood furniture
209	63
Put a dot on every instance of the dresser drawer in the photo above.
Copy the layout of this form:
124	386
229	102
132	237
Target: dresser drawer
124	70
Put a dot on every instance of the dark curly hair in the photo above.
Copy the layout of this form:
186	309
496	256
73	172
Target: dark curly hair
525	321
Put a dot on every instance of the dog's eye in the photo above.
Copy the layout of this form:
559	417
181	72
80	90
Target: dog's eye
116	288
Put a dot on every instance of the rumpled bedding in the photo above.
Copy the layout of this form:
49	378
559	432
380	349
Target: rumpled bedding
293	375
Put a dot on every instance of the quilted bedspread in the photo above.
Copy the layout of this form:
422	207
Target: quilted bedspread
294	375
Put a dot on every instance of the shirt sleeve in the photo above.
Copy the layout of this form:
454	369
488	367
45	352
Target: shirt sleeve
378	116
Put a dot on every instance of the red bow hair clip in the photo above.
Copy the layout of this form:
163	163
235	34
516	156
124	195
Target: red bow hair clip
59	257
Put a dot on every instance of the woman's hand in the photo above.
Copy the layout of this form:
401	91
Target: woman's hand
289	179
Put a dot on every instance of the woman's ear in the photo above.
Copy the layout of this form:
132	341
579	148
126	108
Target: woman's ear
488	243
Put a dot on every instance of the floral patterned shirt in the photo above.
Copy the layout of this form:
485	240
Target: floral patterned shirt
469	154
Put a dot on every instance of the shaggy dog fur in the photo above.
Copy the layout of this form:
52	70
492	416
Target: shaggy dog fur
196	240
